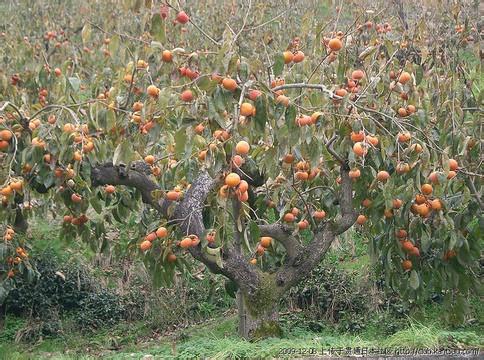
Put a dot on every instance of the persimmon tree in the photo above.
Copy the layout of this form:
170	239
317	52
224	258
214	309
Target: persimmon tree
246	154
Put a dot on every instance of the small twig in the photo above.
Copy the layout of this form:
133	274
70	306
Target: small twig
195	25
329	146
320	87
204	33
243	24
239	104
268	21
308	210
13	106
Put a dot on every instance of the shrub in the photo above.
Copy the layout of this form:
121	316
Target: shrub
332	296
99	309
60	287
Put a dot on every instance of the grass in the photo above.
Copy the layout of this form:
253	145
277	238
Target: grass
218	340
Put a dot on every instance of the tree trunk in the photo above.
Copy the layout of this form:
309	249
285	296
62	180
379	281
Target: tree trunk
256	321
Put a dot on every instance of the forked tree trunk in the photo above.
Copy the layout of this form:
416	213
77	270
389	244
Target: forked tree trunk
258	312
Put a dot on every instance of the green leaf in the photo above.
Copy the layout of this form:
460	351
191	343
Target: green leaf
260	117
204	83
157	28
180	142
254	231
214	255
418	75
414	280
278	65
96	204
86	33
110	119
75	83
123	153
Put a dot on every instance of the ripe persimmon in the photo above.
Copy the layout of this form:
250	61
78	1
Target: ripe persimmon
382	176
359	149
357	136
426	189
161	232
404	77
185	243
173	195
298	57
246	109
289	217
335	44
229	84
153	91
232	180
319	214
150	159
6	135
186	96
288	57
182	17
265	241
361	219
407	265
357	75
167	56
453	165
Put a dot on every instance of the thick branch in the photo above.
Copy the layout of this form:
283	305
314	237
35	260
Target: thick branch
283	235
309	256
109	174
306	259
187	215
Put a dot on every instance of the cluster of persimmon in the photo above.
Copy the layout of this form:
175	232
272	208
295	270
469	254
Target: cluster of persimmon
303	170
291	217
306	120
43	93
263	244
362	142
187	72
156	170
379	28
5	139
296	56
423	205
160	233
80	135
10	188
408	247
189	241
16	260
77	221
280	98
233	185
8	234
68	172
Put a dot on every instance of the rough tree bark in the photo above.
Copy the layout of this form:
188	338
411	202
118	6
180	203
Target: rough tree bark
258	293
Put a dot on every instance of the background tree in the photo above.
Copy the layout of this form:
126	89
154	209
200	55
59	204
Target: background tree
250	143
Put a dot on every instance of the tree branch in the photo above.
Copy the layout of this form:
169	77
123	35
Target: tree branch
283	235
108	173
329	146
348	213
